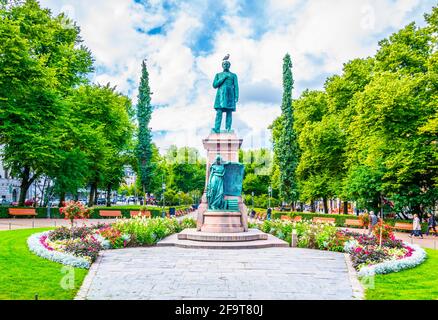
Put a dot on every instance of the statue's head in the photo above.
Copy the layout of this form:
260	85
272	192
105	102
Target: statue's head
218	159
226	65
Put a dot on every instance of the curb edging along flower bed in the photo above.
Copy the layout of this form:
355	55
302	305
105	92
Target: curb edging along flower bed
35	244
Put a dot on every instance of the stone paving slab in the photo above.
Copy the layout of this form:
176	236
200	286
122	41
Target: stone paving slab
169	273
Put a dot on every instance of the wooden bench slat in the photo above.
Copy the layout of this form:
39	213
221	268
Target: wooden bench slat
320	219
353	222
110	213
403	226
22	212
146	214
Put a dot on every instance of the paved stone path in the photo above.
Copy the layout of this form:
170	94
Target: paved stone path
178	274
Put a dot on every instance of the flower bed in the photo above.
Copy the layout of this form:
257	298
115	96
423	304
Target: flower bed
393	256
369	254
37	245
79	247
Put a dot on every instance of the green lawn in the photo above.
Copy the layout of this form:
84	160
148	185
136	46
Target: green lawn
420	283
23	274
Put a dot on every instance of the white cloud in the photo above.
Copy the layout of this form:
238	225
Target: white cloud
320	35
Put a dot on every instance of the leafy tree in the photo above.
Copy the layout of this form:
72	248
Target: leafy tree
285	140
187	169
258	168
144	147
100	124
372	132
391	133
41	60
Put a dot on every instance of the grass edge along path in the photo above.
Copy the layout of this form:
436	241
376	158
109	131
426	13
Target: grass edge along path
23	274
420	283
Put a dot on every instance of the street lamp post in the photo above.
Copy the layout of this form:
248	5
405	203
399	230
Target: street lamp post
270	195
252	199
164	200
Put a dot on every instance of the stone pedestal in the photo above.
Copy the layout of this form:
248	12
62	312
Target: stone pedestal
222	222
227	145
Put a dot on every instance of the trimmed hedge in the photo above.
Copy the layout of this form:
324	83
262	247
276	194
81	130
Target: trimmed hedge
41	212
94	213
340	219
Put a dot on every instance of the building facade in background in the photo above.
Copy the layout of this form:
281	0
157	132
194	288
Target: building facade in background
9	187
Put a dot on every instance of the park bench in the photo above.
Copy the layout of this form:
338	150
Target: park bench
110	213
22	212
295	219
325	220
353	223
403	226
146	214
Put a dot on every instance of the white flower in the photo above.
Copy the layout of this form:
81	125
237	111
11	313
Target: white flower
36	247
106	245
417	258
351	245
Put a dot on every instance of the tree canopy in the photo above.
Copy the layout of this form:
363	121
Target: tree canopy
371	134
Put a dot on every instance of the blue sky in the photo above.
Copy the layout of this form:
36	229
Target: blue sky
185	41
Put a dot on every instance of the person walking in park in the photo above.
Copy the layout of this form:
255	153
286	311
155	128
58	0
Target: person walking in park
431	224
416	227
373	221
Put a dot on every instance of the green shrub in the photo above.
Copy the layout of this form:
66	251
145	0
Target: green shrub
150	231
339	218
188	223
94	212
320	236
41	213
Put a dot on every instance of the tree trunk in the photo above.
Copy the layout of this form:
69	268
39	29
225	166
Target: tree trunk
61	199
108	196
43	190
24	187
95	195
312	206
26	182
326	211
346	207
47	196
92	194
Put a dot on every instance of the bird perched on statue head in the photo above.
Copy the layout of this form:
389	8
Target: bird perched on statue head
227	57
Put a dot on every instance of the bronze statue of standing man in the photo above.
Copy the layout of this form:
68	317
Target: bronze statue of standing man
227	96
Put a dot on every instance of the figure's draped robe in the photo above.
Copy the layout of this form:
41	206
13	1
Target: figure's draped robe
215	192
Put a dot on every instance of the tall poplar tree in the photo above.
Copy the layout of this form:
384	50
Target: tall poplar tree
144	147
285	144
